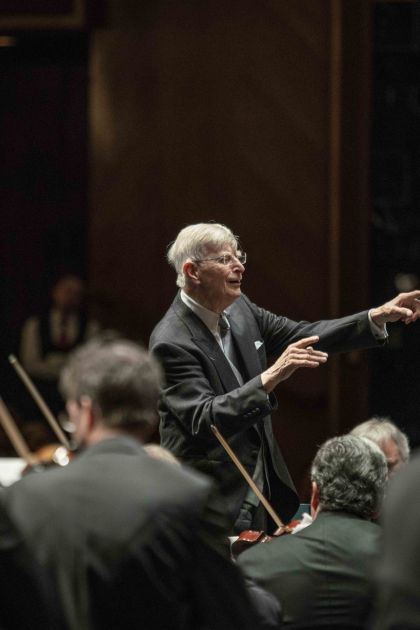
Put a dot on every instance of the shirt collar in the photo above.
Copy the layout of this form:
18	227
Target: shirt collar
209	318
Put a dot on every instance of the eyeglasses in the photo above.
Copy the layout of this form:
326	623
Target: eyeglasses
225	259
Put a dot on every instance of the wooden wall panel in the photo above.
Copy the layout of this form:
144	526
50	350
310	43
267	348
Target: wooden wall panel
30	15
43	182
216	110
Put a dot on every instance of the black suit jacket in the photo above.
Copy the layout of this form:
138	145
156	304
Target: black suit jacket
323	575
125	539
398	571
201	389
27	596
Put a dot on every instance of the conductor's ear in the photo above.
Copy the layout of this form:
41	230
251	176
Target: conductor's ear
191	273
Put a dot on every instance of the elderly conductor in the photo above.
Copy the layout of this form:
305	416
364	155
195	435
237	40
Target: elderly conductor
213	344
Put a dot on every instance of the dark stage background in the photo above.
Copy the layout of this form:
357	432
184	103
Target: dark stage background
295	123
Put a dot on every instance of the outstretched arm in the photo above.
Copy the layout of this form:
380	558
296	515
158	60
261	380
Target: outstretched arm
405	307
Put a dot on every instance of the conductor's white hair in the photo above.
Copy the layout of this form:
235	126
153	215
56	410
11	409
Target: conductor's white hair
193	242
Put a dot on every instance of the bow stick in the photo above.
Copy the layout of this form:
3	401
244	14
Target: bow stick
27	381
13	433
276	518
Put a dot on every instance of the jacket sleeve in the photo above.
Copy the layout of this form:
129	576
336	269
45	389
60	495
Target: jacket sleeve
352	332
190	396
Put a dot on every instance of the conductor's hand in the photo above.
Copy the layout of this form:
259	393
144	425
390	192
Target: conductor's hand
405	307
298	355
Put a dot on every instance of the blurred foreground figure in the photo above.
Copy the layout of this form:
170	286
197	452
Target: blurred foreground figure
27	597
323	574
398	601
389	438
122	533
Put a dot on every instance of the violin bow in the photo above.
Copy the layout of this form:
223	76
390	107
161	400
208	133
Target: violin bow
30	386
276	518
10	427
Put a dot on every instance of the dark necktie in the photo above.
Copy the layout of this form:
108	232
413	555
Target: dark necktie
228	347
224	328
63	337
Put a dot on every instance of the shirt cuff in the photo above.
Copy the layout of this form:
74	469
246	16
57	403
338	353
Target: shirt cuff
379	332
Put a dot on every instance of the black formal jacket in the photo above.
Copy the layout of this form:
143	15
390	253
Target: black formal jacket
201	389
323	575
398	572
128	543
27	596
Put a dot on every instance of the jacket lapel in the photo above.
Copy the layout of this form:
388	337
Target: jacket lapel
244	342
204	339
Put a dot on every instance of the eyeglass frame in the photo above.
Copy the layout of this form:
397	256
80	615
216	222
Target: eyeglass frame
241	258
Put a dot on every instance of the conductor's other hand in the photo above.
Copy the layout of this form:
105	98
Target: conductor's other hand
300	354
405	307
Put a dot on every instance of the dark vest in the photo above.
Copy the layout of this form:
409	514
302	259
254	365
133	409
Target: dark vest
47	343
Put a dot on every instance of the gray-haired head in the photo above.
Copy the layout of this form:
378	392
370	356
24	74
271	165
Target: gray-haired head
351	475
383	432
193	242
120	378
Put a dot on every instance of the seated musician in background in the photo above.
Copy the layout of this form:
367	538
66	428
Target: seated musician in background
397	604
215	346
47	339
322	575
393	442
123	534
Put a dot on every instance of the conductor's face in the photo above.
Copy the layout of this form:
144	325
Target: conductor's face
218	277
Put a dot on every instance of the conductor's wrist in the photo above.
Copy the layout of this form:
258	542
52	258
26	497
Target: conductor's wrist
268	381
